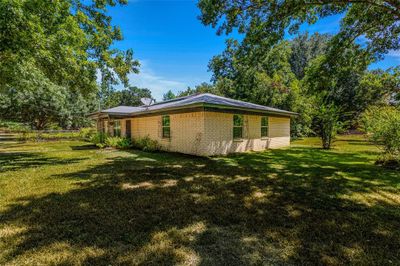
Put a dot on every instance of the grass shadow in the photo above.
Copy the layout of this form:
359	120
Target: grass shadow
16	161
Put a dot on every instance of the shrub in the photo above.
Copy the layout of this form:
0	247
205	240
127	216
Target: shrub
102	140
10	126
40	136
98	138
124	143
87	133
112	141
146	144
382	125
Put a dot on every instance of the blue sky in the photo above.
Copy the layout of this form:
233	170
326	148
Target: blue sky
174	48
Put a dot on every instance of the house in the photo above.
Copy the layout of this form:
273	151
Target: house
202	124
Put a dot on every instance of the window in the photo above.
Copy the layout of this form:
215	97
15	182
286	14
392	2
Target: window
264	126
117	128
166	127
237	126
128	129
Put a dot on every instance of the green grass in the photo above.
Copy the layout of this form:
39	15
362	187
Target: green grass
67	203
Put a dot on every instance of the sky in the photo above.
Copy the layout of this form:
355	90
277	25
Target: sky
174	47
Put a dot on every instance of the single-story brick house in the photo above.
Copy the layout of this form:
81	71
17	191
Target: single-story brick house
202	124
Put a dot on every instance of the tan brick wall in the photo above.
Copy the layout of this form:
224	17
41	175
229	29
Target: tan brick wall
211	133
186	131
279	132
218	137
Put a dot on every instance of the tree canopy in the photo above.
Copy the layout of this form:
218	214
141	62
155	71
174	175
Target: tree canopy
69	41
267	21
129	97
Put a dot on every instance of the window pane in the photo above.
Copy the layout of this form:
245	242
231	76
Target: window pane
117	128
264	132
238	120
166	132
165	121
264	121
237	132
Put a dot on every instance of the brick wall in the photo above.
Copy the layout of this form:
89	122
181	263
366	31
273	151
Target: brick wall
218	137
186	130
211	133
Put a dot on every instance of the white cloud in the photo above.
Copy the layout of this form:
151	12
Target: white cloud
158	85
395	54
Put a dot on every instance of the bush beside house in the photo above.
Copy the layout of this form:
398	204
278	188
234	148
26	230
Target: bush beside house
382	125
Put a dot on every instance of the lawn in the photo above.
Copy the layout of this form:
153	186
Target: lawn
64	203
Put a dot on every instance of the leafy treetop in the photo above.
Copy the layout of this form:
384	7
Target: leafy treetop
69	41
266	21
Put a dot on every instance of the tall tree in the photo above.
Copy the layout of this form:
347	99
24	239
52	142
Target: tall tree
68	41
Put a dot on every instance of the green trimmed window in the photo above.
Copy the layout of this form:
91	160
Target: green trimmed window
166	126
117	128
237	126
264	126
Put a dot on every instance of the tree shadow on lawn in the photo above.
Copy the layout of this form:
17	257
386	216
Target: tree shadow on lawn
15	161
277	207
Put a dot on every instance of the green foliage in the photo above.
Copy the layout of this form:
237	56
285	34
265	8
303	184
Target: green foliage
99	138
304	49
264	69
47	136
102	140
380	87
263	76
35	100
198	89
328	124
268	21
169	95
118	142
77	108
146	144
349	84
11	126
87	133
66	41
382	124
124	143
112	141
128	97
51	54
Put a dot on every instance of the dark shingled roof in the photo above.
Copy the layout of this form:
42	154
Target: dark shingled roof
122	110
205	99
